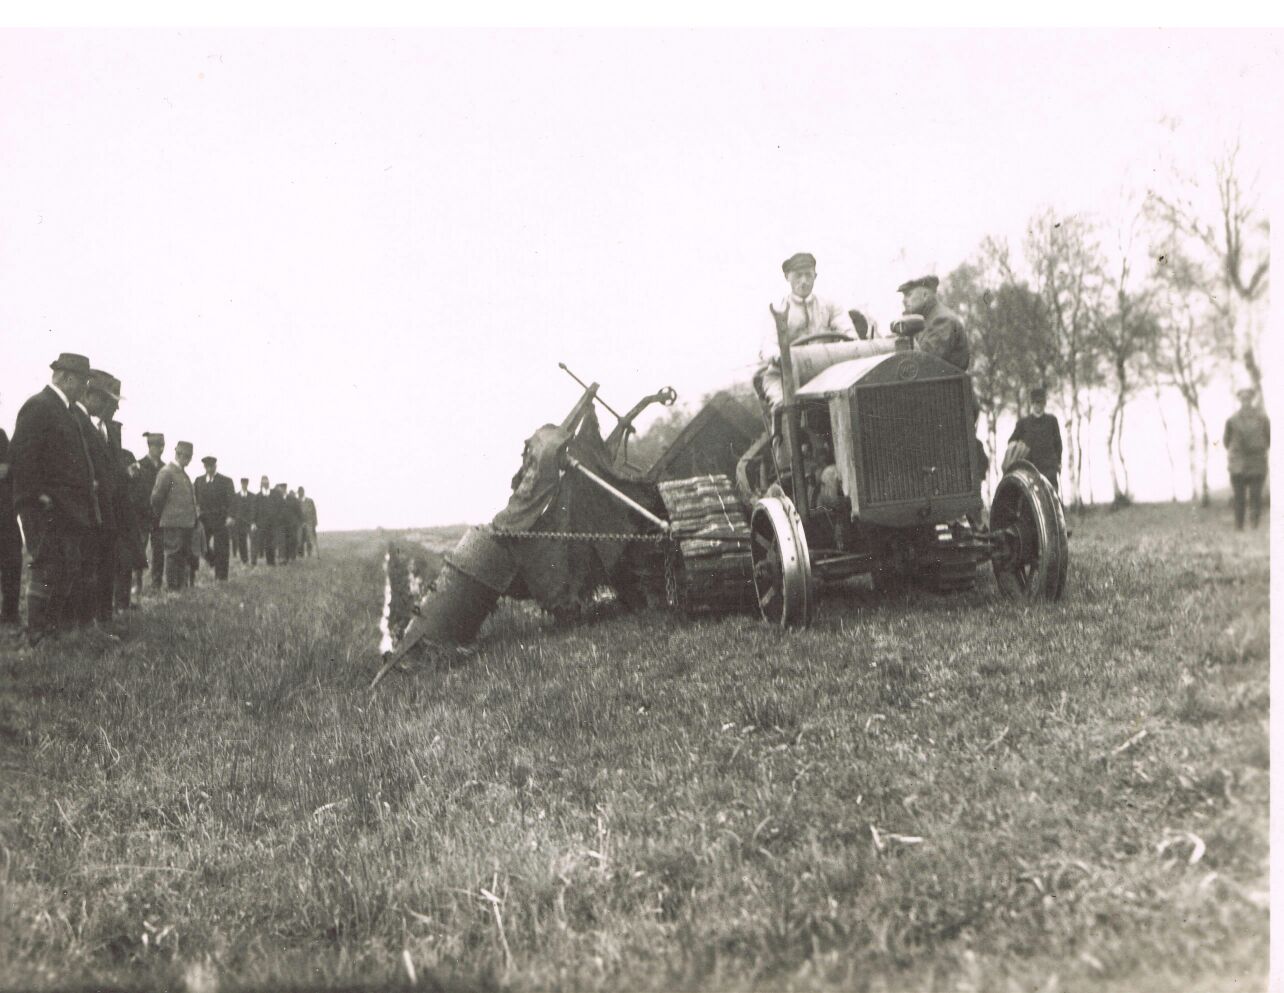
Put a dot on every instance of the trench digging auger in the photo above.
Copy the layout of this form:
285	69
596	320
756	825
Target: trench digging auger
864	462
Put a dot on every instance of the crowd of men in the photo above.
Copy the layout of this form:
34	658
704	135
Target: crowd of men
90	511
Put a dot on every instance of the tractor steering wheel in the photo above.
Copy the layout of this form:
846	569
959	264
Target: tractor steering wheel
821	337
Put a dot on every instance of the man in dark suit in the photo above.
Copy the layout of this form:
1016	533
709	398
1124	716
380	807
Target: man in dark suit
243	512
98	563
10	544
148	468
215	496
102	399
294	524
54	493
261	525
279	515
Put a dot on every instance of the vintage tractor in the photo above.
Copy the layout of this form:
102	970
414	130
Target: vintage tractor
869	465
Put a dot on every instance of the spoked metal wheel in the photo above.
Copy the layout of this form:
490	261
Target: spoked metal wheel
1028	514
782	577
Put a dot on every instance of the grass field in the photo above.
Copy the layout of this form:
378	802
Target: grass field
929	793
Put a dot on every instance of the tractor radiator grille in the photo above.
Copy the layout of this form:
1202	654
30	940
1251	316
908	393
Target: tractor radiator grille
906	429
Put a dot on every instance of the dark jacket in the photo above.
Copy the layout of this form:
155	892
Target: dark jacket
944	336
48	456
293	510
264	510
1043	435
105	470
243	509
8	518
141	491
214	499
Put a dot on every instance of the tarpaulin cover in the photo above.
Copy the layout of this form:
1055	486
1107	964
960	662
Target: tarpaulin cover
562	575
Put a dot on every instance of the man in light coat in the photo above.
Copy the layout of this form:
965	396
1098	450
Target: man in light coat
174	503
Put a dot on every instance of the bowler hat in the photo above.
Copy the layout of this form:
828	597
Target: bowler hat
930	282
208	459
1038	395
105	382
802	260
71	362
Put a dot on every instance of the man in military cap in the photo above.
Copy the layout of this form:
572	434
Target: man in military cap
174	503
942	334
54	494
215	497
1247	439
149	467
243	516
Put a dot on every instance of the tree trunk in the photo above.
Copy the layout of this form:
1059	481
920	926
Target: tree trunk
1168	445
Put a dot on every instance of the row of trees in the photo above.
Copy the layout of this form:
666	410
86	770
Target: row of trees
1164	297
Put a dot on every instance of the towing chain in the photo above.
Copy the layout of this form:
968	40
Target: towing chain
583	535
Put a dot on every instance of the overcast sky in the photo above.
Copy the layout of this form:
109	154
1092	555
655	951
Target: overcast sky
353	259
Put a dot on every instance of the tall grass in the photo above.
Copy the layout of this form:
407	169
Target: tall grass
931	792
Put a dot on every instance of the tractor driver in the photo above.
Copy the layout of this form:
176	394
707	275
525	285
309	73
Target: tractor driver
803	313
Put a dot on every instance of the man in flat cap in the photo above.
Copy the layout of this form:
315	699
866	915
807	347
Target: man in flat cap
54	494
942	334
215	497
174	503
243	518
800	314
149	467
1247	439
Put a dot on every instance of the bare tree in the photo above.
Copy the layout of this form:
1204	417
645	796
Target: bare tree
1194	338
1229	238
1066	260
1125	335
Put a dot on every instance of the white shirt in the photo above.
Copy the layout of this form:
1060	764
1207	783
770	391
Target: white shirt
62	395
806	316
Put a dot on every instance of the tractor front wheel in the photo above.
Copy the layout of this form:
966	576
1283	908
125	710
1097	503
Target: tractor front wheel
782	579
1026	514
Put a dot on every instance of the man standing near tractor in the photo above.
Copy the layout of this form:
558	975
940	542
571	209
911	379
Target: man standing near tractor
1247	439
1040	434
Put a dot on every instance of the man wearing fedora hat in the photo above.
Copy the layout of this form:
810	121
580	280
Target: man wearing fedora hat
98	565
124	553
1247	439
54	493
215	499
